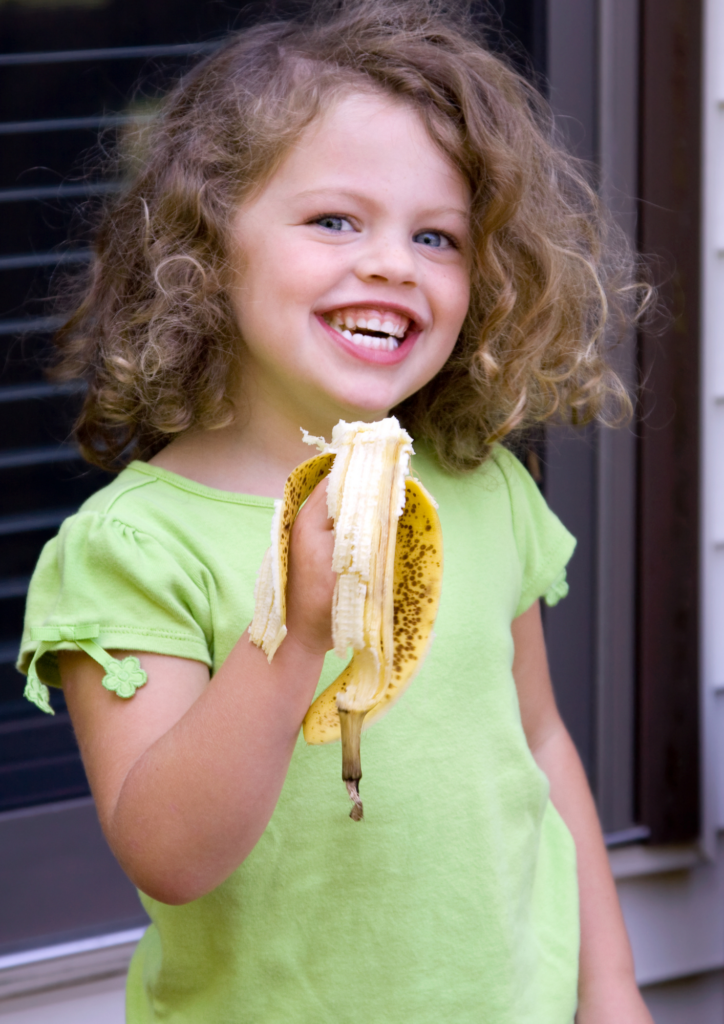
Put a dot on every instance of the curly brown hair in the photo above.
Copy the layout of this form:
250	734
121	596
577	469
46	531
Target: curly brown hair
553	280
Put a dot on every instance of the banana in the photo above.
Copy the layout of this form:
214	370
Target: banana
388	560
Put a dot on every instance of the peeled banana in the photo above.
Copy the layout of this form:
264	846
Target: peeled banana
388	560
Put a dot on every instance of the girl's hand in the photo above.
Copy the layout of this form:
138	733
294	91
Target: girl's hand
614	1005
310	586
607	989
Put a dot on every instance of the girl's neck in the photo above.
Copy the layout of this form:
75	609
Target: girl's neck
253	455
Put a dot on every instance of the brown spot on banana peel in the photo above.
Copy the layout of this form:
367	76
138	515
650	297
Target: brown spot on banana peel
417	588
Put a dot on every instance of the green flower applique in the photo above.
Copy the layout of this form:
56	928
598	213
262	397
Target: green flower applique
557	590
124	677
38	693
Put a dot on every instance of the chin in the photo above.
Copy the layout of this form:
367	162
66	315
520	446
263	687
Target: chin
367	411
367	405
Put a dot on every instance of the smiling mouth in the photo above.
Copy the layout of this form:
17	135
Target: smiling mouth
379	329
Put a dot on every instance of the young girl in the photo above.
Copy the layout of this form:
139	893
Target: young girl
336	219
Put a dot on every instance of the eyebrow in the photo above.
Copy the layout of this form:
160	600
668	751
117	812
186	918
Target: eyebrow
320	193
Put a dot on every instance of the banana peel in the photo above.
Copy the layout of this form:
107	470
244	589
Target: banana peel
400	602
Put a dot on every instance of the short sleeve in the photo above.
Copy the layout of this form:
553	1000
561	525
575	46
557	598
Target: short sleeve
102	585
544	544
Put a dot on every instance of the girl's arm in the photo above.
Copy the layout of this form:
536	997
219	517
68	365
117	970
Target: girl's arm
186	774
608	993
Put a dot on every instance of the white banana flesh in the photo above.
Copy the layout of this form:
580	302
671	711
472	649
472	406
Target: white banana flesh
365	498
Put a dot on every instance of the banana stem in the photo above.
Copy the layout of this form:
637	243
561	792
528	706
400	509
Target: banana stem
350	723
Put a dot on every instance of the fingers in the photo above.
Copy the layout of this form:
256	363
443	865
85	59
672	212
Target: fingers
311	582
316	504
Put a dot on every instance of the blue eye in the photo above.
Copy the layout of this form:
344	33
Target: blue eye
334	223
434	240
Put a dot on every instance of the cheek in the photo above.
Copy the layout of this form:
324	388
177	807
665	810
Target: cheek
455	298
298	277
463	291
266	270
311	269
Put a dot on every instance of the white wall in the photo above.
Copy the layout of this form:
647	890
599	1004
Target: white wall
713	406
97	1002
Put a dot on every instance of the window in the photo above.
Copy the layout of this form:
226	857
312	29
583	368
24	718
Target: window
624	654
66	73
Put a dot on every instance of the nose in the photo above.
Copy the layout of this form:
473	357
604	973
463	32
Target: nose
387	259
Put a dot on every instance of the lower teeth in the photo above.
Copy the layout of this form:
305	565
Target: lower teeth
388	343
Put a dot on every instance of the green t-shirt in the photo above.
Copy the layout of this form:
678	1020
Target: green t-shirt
456	898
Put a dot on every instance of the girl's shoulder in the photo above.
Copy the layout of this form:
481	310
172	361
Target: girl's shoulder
142	489
166	515
140	567
500	504
500	486
150	524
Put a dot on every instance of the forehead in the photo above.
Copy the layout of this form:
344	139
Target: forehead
369	142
